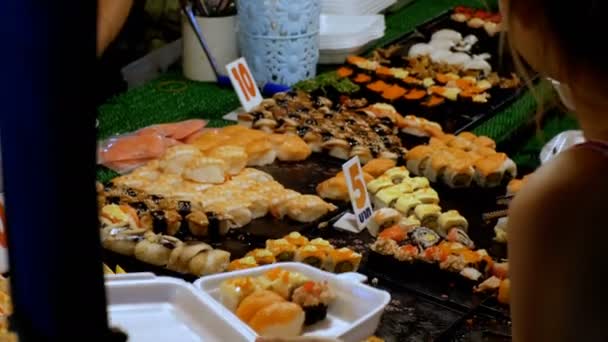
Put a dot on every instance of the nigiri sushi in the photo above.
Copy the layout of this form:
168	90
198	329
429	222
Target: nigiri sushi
377	167
233	291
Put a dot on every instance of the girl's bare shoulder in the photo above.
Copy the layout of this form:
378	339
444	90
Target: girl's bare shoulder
572	185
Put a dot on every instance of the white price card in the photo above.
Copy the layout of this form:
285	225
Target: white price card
357	190
244	84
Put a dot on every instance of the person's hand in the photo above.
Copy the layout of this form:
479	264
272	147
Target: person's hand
111	16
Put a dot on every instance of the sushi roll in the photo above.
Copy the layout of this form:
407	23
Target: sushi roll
311	255
386	197
242	264
121	240
500	230
410	221
471	273
322	244
407	253
460	17
437	164
476	23
407	203
379	184
467	136
418	183
460	236
282	282
483	141
504	291
418	157
383	218
427	196
210	262
156	249
428	214
281	249
233	291
296	239
377	167
180	257
385	246
397	174
452	219
491	171
424	237
343	260
460	173
314	298
262	256
397	233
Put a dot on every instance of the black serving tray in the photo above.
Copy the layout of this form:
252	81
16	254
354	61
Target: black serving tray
457	116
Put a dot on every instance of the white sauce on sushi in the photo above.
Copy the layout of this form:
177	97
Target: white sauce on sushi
449	47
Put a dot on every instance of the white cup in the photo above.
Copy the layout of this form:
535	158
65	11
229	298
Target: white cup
220	35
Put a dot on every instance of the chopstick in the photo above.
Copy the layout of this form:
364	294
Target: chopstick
495	214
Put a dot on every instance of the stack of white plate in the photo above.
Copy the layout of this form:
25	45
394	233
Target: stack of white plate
355	7
343	35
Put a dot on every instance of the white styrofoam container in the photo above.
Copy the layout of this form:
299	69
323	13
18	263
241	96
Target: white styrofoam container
151	309
355	7
352	317
339	56
347	32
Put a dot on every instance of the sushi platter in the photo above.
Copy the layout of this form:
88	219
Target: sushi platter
333	305
447	70
236	209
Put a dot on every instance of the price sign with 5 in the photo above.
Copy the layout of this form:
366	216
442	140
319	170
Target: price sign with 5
358	192
244	84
